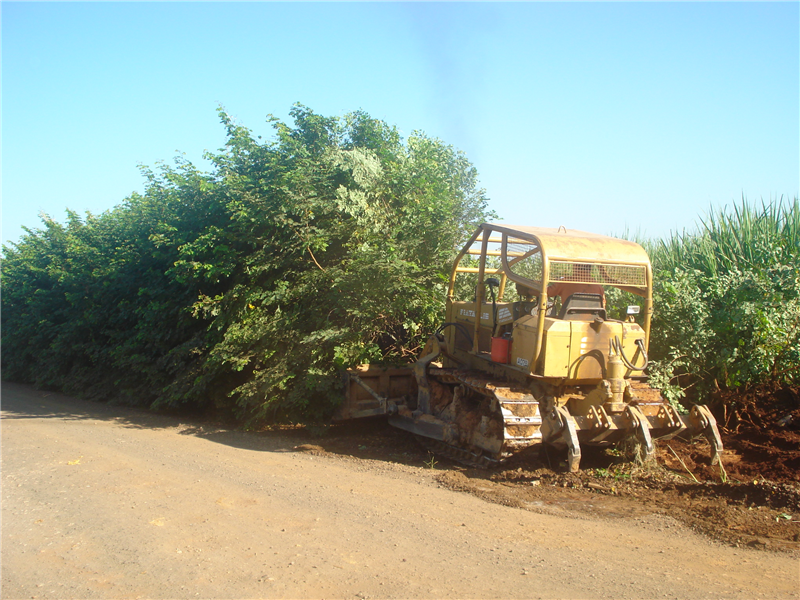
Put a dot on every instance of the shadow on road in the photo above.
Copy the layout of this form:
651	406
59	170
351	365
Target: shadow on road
372	439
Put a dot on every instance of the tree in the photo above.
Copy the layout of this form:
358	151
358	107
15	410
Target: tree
251	285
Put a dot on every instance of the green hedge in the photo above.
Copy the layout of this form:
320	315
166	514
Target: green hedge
249	286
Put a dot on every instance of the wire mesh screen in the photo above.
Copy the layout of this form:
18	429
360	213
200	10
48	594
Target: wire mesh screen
604	274
524	259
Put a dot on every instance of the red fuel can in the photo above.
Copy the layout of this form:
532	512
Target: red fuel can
501	349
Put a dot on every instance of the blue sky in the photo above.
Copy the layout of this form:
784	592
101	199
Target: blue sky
598	117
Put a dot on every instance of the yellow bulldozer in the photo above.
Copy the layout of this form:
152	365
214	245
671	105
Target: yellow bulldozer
540	363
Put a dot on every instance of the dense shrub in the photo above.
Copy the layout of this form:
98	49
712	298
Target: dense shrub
727	302
251	285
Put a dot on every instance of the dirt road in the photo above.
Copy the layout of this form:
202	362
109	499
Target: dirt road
108	502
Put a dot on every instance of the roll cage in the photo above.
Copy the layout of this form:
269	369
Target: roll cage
536	257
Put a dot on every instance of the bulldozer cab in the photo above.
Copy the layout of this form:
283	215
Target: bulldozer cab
552	322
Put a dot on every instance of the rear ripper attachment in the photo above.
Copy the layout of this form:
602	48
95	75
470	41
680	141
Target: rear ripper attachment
622	409
548	365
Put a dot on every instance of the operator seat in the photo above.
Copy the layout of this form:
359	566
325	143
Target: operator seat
583	307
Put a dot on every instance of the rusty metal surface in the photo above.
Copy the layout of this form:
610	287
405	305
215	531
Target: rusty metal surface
370	391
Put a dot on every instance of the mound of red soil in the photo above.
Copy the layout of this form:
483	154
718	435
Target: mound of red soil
761	434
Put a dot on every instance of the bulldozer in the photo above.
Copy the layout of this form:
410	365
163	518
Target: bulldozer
542	363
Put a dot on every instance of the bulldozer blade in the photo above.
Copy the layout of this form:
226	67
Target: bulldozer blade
426	426
372	391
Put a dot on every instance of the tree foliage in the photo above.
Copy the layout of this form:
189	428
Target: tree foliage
248	286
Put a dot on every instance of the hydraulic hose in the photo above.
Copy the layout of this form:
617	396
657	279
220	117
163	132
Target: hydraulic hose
595	354
459	327
617	347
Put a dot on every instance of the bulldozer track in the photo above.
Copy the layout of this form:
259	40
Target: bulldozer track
516	406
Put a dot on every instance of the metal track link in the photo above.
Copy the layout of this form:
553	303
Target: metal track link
512	400
515	405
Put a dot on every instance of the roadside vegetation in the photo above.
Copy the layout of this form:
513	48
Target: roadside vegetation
247	288
727	303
